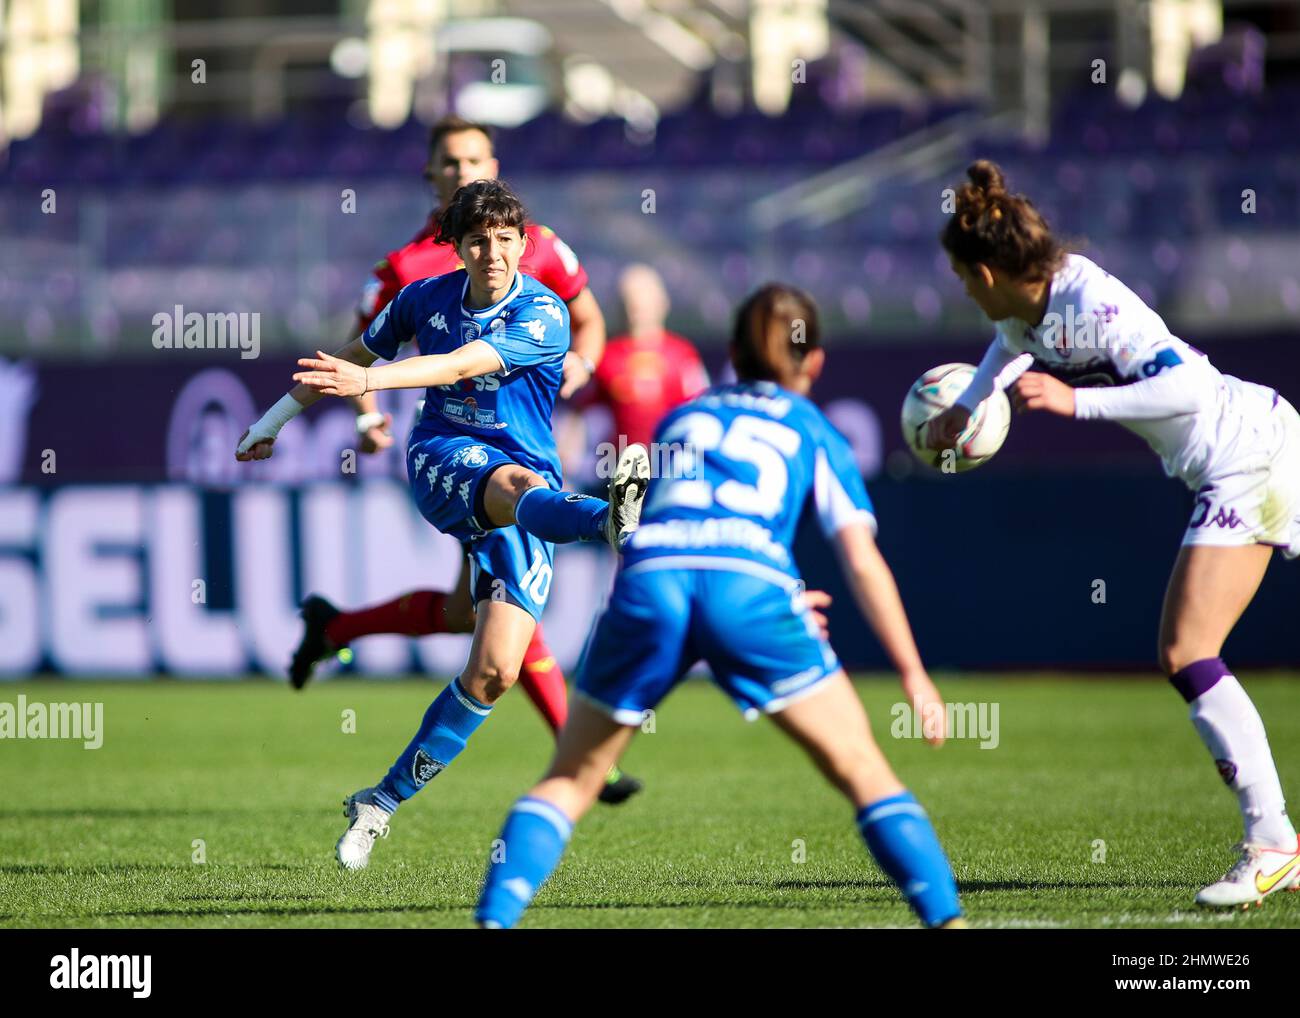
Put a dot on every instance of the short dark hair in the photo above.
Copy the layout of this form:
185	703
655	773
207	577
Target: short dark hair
453	124
775	328
484	203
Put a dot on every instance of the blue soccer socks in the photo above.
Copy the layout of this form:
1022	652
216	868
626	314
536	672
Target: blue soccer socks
448	723
899	835
523	857
561	517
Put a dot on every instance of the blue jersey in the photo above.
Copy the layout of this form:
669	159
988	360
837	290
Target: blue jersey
509	409
732	472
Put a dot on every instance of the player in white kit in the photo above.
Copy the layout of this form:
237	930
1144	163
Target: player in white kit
1099	353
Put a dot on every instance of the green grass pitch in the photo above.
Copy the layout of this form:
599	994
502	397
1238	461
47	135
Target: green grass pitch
1099	807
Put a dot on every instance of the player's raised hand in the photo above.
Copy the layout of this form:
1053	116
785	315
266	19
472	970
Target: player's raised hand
332	376
942	431
378	438
924	697
253	447
576	375
1036	390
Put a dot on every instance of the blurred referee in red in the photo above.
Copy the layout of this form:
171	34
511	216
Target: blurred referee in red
649	370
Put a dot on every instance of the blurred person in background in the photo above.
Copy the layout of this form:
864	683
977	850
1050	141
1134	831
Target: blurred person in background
460	152
648	370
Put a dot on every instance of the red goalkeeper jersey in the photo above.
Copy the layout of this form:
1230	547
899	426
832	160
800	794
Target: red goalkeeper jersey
546	258
641	379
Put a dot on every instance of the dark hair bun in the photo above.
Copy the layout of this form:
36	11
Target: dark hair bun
993	227
987	177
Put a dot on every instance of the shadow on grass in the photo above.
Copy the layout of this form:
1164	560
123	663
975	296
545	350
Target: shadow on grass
126	813
229	913
965	886
108	869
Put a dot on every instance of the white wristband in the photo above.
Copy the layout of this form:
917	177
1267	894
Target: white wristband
365	422
285	410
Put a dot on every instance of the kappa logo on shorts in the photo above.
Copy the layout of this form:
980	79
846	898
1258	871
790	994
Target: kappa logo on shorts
425	768
1225	519
576	497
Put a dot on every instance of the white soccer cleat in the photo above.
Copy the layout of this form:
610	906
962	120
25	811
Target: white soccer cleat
1258	873
366	822
627	490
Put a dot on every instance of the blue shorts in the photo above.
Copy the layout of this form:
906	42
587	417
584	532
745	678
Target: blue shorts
447	475
748	622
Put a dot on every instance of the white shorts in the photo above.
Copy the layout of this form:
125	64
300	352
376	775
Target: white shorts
1257	499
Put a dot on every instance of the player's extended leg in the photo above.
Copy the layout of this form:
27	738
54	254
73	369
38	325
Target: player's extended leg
500	637
1210	588
831	725
538	827
515	494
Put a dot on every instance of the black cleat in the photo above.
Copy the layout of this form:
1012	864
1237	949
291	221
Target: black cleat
619	787
315	647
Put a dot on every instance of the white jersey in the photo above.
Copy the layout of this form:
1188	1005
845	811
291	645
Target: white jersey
1100	338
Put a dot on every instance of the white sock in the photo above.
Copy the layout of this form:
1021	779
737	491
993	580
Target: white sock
1233	731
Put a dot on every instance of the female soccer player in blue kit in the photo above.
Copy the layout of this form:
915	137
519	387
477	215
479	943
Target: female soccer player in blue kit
710	574
482	463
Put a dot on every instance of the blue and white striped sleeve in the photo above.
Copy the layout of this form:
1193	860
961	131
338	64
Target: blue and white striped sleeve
839	495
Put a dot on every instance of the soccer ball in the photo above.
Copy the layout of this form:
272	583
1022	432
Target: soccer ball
932	394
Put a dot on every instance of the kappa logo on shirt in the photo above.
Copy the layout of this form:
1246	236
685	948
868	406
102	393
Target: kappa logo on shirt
438	321
548	305
536	329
